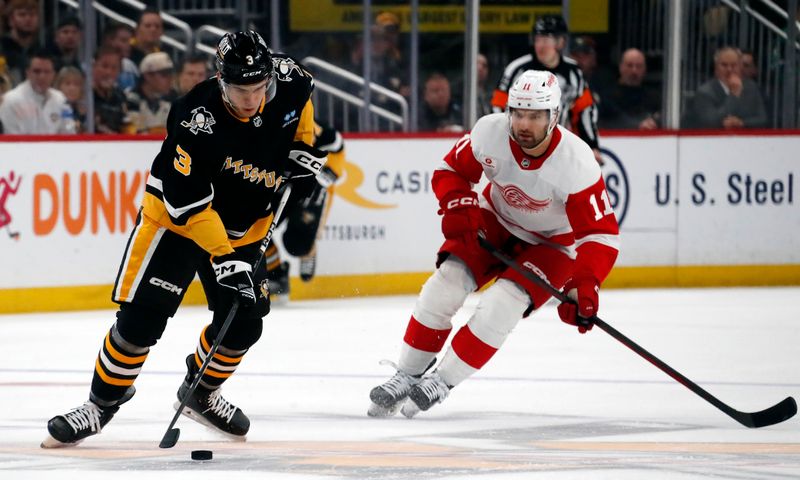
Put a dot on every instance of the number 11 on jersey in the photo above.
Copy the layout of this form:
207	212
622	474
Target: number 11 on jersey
607	210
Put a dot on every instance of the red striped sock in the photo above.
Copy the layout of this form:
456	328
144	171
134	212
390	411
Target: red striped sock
425	338
471	349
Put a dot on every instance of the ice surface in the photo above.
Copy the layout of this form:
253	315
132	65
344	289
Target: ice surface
552	404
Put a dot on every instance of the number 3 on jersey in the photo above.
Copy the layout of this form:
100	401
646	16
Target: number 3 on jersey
607	210
183	162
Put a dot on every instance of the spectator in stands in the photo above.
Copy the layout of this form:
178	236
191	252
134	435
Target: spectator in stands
750	70
484	89
118	36
728	100
22	37
71	81
439	112
110	109
65	48
34	107
749	66
387	67
583	50
629	104
147	36
193	70
5	79
150	101
578	111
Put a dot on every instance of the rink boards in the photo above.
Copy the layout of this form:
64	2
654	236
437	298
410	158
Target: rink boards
695	210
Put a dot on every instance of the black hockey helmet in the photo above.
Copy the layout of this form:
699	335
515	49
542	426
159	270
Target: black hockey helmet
243	58
550	25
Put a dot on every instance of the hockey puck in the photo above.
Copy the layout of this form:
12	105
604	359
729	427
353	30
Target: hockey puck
202	454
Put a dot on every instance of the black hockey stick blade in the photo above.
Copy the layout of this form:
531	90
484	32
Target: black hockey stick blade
778	413
170	438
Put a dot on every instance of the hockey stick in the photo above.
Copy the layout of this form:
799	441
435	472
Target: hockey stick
170	437
775	414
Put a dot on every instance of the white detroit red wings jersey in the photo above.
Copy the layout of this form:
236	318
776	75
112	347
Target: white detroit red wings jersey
557	199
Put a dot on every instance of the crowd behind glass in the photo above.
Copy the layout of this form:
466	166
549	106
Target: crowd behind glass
134	81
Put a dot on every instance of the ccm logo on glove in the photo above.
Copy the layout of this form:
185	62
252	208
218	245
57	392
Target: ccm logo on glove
236	275
462	202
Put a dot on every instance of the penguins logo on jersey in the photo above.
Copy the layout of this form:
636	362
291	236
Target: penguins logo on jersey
284	68
201	121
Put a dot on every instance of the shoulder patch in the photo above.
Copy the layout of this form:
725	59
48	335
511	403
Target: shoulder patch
201	121
285	67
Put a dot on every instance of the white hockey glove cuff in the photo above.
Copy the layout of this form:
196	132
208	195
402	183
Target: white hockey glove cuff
308	157
236	275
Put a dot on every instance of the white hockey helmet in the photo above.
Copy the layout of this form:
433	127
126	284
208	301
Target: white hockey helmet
536	90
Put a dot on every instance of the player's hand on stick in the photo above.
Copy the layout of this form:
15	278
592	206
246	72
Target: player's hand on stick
236	275
584	291
462	218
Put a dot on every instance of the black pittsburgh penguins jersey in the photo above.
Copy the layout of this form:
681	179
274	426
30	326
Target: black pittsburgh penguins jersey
578	112
216	174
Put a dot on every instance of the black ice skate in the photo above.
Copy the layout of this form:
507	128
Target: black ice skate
278	279
308	266
424	394
74	426
388	397
209	408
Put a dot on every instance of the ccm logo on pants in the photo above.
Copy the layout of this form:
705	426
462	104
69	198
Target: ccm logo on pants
165	285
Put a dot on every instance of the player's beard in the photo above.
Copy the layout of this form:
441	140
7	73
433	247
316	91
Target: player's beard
528	139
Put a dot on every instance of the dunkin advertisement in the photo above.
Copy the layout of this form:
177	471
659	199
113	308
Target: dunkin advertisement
66	209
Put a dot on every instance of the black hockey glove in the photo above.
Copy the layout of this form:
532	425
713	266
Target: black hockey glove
237	275
305	166
307	159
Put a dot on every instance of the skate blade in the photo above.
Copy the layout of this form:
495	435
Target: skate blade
188	412
410	409
51	442
377	411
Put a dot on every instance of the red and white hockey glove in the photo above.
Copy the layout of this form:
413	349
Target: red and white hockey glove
584	291
462	218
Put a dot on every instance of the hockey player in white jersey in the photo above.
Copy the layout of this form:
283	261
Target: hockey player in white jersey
545	205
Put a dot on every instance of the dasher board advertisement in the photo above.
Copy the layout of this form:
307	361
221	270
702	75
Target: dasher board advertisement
67	207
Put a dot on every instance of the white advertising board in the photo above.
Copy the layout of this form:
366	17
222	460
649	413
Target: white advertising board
739	201
383	218
71	206
66	211
641	179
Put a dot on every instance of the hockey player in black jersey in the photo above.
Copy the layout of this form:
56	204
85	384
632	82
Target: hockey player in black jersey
548	39
208	203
